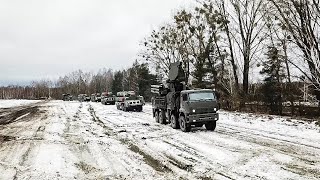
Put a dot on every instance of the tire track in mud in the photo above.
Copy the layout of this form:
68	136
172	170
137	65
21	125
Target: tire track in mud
304	158
94	157
250	131
167	159
152	162
19	142
281	147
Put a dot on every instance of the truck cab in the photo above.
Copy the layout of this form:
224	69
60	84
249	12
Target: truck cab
198	108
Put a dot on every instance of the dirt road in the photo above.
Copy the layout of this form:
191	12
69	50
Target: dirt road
72	140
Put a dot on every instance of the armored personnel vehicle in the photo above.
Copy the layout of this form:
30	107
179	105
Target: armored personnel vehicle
93	98
67	97
176	104
129	101
108	98
98	97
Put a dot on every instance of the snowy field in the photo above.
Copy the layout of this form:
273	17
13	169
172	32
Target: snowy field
11	103
73	140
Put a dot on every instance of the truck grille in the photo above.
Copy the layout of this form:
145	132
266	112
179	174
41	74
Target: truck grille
205	110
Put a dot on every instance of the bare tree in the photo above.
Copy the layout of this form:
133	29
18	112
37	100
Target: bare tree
301	19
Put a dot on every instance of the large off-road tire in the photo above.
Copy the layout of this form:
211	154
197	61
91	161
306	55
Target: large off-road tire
211	125
174	122
184	126
162	117
157	116
139	108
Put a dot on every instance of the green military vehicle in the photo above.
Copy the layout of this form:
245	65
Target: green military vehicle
174	103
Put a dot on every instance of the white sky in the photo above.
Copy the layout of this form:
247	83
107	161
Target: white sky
48	38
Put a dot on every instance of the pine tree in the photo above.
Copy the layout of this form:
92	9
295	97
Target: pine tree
272	88
117	82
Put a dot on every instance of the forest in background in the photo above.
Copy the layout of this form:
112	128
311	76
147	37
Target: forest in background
262	52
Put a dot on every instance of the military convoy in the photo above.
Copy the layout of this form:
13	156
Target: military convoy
174	103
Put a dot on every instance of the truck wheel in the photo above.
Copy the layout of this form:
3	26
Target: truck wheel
139	109
185	127
174	122
162	117
211	125
157	116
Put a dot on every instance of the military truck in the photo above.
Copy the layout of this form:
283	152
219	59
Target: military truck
83	97
93	98
67	97
129	101
98	97
183	108
108	98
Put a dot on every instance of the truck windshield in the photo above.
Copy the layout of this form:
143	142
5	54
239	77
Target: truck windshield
201	96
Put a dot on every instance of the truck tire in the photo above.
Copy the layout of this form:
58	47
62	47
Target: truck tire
211	125
162	117
157	116
185	127
139	109
174	122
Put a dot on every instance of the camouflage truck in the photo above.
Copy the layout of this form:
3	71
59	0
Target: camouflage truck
129	101
183	108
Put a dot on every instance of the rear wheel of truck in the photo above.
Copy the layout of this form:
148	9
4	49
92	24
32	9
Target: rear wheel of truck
157	116
162	117
185	127
211	125
174	122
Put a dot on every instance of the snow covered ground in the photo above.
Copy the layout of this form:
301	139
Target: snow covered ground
11	102
73	140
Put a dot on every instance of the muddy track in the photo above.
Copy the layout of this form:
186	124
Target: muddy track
10	115
149	159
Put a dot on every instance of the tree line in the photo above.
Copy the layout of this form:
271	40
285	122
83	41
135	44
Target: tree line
239	47
135	78
263	51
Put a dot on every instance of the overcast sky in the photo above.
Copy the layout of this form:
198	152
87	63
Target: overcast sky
49	38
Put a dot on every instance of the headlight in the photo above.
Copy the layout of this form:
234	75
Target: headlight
193	110
215	109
